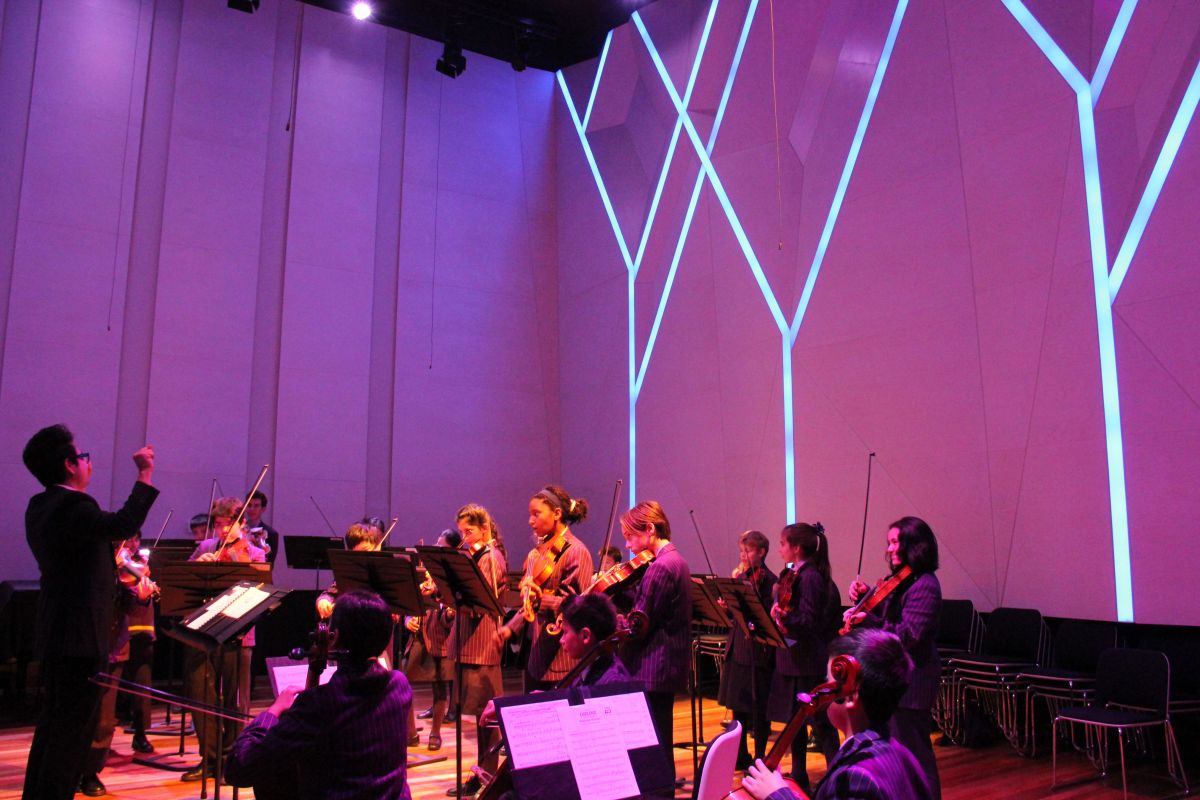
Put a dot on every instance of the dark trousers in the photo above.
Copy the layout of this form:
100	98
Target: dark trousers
662	714
758	725
139	670
64	730
106	724
912	728
227	678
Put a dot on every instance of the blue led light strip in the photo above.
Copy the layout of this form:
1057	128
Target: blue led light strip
1107	285
787	331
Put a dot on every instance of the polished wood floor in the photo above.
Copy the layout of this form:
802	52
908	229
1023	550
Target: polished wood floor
983	774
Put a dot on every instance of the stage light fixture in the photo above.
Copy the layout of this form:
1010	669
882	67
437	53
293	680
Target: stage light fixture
361	10
452	63
520	58
249	6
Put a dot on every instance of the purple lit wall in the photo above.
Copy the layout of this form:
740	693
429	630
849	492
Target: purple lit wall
903	241
366	301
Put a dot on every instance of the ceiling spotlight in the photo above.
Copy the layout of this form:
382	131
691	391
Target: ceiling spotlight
249	6
520	58
361	10
452	63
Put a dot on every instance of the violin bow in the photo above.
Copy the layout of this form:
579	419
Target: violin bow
328	524
212	498
866	505
164	527
388	532
612	519
692	514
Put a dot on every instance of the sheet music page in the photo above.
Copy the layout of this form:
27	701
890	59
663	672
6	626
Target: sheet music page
296	676
528	728
633	717
599	756
245	602
217	606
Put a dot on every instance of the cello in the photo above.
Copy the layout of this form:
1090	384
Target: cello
842	683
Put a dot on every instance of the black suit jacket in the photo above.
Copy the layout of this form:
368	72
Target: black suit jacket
72	540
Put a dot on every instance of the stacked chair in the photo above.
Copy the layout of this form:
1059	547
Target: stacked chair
1070	678
1016	641
960	633
1132	695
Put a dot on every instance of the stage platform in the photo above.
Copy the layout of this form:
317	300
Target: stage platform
990	773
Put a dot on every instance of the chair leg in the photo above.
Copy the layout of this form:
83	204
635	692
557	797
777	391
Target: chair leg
1054	753
1121	748
1174	758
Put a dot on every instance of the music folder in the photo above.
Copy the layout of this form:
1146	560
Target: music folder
227	615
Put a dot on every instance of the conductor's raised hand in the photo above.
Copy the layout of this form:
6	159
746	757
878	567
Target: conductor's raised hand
143	459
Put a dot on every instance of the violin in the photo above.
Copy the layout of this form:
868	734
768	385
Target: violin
540	574
133	570
873	597
783	591
843	673
611	580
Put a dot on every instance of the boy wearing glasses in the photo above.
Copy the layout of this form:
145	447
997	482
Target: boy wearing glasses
72	540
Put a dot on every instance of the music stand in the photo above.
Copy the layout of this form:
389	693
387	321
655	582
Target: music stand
755	622
187	587
460	580
310	552
706	612
392	576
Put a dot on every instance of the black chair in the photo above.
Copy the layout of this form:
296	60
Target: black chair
1132	691
1017	640
1182	650
1070	679
960	632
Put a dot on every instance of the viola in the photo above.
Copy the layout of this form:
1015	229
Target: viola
843	682
873	597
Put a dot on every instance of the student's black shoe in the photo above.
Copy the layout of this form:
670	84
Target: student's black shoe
451	716
141	744
92	787
426	714
469	788
193	774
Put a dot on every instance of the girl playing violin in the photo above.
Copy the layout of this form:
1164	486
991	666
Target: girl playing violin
558	567
659	654
807	610
912	612
746	674
473	640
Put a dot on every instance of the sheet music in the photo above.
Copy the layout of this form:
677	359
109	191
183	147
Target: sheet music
528	727
599	756
296	675
246	602
217	606
633	718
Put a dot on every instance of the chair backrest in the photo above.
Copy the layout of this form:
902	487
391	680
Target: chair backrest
1016	632
1138	678
1079	643
956	625
1182	649
717	766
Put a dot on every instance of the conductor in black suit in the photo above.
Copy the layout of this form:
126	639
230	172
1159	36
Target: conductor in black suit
72	540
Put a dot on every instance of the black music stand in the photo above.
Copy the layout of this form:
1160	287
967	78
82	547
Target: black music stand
754	620
460	580
310	552
706	612
556	780
188	589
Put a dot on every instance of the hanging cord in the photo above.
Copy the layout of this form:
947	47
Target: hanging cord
775	109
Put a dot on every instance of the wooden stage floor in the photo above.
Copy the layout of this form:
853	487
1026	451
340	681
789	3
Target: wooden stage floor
984	774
